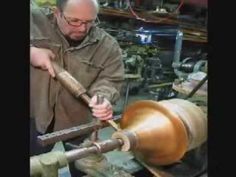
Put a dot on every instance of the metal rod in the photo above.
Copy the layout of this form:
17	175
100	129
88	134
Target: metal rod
65	134
126	94
79	153
101	147
47	165
94	136
160	85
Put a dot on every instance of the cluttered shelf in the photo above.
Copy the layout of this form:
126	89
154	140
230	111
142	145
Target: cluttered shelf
191	32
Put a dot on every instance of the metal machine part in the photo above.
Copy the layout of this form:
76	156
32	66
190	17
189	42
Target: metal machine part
199	85
178	48
188	65
152	72
194	85
97	166
158	133
133	64
72	132
94	135
47	165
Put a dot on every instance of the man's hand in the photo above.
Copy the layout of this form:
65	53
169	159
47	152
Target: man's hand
103	111
40	57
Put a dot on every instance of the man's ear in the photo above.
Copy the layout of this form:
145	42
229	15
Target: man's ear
56	12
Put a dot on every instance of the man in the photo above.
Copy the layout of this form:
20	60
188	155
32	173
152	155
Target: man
70	37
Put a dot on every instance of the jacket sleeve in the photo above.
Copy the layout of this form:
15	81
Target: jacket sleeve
39	23
35	15
110	81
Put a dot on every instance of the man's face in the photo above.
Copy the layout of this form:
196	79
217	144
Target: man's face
76	19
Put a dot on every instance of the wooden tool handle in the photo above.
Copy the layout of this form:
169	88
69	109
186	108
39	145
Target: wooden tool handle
70	83
74	87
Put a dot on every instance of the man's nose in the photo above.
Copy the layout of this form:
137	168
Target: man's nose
83	27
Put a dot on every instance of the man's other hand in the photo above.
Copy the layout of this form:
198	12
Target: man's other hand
103	110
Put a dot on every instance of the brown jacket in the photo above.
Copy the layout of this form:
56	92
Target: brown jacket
96	63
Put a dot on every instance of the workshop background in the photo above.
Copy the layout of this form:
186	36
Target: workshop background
164	45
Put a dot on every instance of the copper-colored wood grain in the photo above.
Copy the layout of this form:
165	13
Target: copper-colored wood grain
161	135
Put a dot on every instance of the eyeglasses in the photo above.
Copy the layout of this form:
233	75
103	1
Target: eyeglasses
77	22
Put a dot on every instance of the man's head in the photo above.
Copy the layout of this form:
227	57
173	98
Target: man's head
76	17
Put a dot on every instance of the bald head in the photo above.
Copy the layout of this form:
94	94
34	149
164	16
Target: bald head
76	17
61	4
